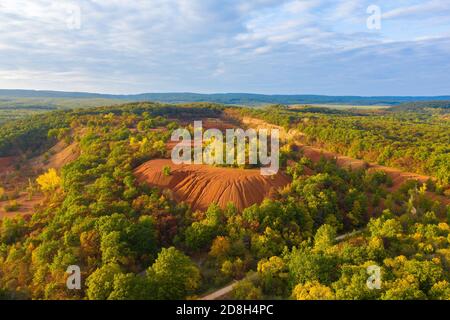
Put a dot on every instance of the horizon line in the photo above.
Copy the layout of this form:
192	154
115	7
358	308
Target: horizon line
227	93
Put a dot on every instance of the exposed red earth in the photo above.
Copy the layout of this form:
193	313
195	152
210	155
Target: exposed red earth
201	185
10	178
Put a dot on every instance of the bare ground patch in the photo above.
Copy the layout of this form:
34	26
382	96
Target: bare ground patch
201	185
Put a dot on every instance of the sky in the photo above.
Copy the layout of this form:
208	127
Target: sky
327	47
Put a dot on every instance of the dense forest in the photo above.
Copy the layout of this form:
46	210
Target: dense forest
135	242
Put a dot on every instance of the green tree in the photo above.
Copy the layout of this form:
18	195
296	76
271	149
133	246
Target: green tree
306	266
404	289
100	284
274	276
246	290
166	171
132	287
176	276
324	238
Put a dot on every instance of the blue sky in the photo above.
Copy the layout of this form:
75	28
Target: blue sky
260	46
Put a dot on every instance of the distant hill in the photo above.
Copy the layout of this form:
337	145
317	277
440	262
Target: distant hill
224	98
422	105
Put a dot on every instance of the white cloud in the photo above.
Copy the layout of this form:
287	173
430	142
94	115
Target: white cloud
349	9
278	26
421	9
40	11
220	70
170	45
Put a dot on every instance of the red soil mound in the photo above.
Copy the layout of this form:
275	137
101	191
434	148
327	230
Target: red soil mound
201	185
64	157
60	155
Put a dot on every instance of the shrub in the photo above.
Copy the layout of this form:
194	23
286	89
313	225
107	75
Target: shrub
12	206
166	171
246	290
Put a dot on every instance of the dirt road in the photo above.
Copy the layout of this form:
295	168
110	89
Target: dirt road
216	295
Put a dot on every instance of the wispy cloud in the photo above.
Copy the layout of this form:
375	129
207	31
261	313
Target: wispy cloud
272	46
422	9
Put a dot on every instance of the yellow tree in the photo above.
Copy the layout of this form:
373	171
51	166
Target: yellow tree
220	248
49	181
312	291
2	194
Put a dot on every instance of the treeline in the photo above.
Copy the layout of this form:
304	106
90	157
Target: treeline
224	98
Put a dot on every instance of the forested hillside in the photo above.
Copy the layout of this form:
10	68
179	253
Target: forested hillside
422	106
136	242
